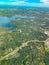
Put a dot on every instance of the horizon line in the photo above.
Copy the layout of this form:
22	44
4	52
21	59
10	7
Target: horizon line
25	4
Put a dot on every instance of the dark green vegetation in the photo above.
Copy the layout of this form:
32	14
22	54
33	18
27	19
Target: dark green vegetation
35	53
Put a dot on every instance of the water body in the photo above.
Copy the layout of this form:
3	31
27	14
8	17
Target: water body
5	21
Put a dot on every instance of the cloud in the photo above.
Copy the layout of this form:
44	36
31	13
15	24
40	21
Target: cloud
45	1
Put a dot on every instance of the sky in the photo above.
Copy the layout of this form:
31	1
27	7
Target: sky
38	3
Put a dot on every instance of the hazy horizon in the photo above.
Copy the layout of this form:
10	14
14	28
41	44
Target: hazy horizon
34	3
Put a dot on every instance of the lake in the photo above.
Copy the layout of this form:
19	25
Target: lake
5	21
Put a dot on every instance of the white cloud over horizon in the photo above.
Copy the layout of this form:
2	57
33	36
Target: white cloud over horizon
45	1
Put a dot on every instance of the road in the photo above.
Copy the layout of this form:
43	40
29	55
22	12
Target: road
17	49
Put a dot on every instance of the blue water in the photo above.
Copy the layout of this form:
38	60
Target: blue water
5	21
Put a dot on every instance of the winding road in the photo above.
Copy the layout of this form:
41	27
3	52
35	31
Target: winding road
17	49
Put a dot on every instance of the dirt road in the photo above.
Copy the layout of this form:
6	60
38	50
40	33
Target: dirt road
17	49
